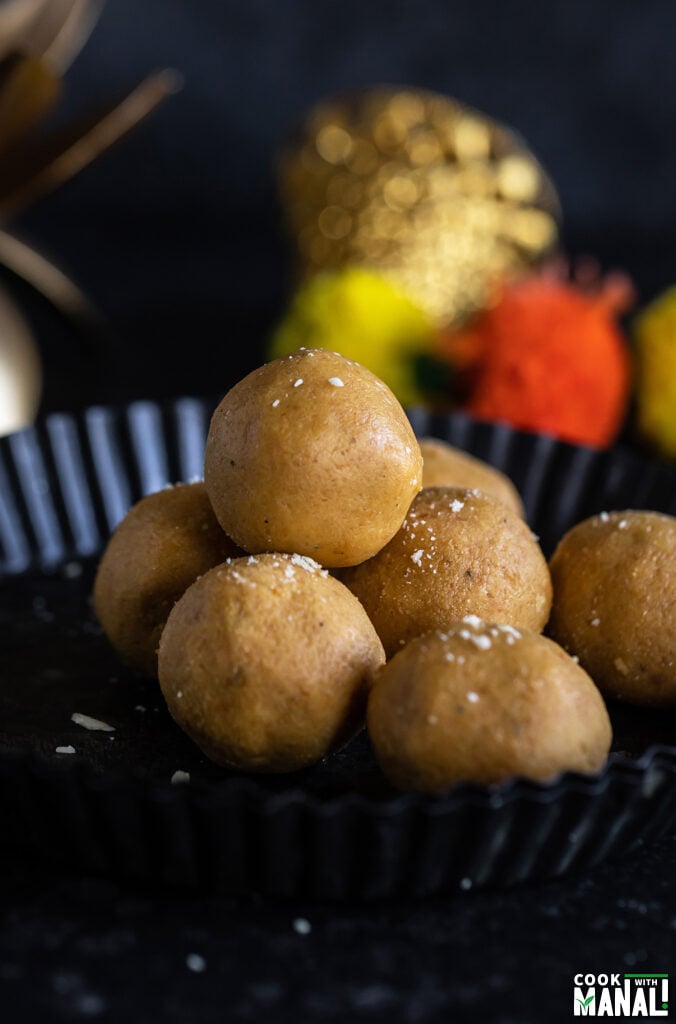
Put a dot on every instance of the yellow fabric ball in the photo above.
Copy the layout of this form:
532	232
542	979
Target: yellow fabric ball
361	315
655	338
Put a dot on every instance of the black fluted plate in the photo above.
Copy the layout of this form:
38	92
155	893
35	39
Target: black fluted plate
337	830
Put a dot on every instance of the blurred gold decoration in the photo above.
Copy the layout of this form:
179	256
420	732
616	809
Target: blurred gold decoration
435	195
20	373
38	41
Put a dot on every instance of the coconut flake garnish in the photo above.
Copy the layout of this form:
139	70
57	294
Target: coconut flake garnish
417	556
309	564
482	642
456	505
337	382
510	630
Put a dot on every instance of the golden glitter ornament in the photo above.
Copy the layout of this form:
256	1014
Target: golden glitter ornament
436	196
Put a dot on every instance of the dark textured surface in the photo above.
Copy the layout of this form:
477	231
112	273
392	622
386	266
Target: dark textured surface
176	237
82	948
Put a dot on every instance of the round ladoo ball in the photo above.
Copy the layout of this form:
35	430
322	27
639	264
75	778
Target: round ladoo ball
312	454
458	552
447	466
614	578
482	703
266	663
163	543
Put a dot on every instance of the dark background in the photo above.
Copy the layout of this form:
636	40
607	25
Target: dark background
175	235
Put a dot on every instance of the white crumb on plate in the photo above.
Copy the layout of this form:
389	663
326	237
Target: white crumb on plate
93	724
302	926
68	749
180	776
195	962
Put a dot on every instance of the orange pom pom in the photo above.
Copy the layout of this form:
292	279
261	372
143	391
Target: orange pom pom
548	357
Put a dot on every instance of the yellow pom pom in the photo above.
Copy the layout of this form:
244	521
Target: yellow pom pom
360	314
655	336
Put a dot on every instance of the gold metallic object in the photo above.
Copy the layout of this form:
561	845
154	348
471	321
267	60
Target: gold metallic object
20	373
46	163
441	199
38	41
